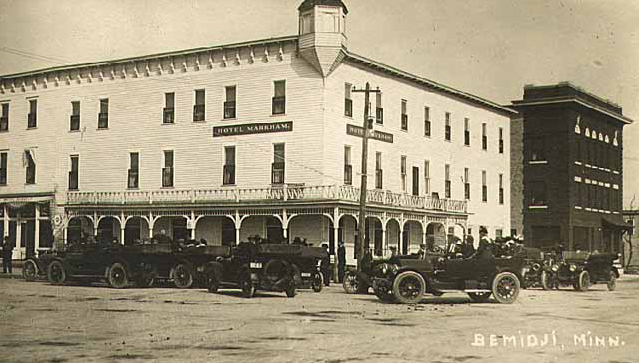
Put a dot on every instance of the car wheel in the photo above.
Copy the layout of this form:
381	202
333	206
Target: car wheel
479	297
583	281
213	284
290	291
351	283
30	270
247	286
182	276
545	280
506	287
144	281
612	281
318	282
409	287
56	274
117	276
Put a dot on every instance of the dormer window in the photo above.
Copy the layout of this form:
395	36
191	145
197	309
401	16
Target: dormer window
328	21
306	23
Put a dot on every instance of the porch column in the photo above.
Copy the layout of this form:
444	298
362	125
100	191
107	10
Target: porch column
18	245
151	223
96	223
6	220
192	225
37	229
65	230
336	241
384	246
400	241
122	227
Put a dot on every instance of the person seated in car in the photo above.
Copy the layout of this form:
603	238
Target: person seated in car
485	249
468	247
421	254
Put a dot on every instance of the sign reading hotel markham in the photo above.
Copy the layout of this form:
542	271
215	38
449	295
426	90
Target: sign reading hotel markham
247	129
377	135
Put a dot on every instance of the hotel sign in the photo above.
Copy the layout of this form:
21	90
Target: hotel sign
377	135
247	129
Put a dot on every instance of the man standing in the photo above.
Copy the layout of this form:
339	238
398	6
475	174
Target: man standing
341	261
7	254
325	266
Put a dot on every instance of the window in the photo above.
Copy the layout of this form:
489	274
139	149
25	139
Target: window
133	180
279	98
498	233
103	116
278	166
536	149
229	166
32	119
538	195
404	116
467	132
426	177
75	116
501	188
466	184
168	170
484	187
484	137
230	107
402	168
307	23
74	172
379	174
501	140
3	168
426	121
348	102
447	130
200	105
578	196
447	181
379	109
29	160
169	108
348	168
4	117
577	149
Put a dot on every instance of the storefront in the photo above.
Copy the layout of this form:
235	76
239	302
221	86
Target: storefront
27	223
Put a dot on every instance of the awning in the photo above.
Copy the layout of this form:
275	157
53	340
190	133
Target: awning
616	224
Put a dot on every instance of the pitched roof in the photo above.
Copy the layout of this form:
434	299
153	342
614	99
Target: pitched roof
309	4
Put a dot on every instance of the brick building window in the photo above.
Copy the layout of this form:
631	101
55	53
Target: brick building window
404	116
199	108
74	173
168	116
230	106
103	116
536	149
279	99
538	194
348	167
229	166
348	101
379	173
32	118
75	116
427	121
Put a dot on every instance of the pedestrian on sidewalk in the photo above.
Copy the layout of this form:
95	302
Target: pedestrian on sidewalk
7	254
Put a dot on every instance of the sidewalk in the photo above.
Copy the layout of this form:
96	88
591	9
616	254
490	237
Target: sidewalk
16	270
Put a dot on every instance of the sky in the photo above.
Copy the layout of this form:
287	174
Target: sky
490	48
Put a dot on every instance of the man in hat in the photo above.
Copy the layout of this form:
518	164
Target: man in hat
341	261
485	249
7	255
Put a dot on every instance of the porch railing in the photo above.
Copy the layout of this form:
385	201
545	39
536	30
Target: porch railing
275	193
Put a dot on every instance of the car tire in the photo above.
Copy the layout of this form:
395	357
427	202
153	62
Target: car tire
182	276
290	291
247	286
505	287
56	273
351	283
479	297
612	281
583	281
546	284
409	287
318	282
30	270
117	276
213	284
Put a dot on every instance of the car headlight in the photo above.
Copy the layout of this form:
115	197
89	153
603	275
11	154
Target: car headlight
536	266
573	268
256	265
554	268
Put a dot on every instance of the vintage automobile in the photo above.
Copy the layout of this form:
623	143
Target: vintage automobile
526	262
36	267
405	279
581	269
252	266
308	262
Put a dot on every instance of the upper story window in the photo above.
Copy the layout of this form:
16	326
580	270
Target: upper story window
279	98
279	164
199	108
74	173
4	117
169	108
467	131
379	173
501	188
404	116
379	109
466	184
484	137
484	187
447	130
103	116
536	149
328	22
29	161
168	169
447	181
348	167
229	166
538	195
426	177
307	24
501	140
3	168
75	116
32	118
348	101
230	106
133	180
426	121
402	171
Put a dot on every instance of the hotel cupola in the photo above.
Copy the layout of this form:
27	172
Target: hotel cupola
322	33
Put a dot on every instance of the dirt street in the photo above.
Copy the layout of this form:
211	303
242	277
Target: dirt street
40	322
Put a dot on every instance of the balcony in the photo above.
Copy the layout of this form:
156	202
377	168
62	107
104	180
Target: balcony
32	120
229	175
229	109
277	173
169	115
279	193
279	105
198	113
348	174
133	179
73	180
167	177
103	120
75	123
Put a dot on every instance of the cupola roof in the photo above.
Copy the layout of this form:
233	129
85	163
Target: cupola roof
309	4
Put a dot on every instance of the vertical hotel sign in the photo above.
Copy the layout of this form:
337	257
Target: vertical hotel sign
376	135
247	129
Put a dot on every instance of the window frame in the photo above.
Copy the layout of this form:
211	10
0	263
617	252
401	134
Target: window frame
131	172
168	113
170	170
402	171
348	166
74	176
230	106
32	117
199	108
348	99
75	118
4	116
229	170
447	128
404	115
379	171
103	117
467	131
4	163
278	101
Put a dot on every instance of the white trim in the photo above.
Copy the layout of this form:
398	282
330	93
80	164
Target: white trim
615	212
588	209
578	179
615	172
588	165
577	207
615	186
577	162
607	185
587	181
537	207
534	162
601	184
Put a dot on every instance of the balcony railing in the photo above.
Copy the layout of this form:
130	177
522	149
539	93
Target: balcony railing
167	177
32	120
282	192
103	120
348	174
169	115
229	175
229	109
198	113
277	173
132	180
279	105
74	123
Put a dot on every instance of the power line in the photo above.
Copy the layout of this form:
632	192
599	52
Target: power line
33	55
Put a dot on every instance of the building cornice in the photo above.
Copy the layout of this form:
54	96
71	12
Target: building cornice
571	99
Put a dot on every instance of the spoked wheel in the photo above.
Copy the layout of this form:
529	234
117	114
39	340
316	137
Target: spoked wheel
30	270
56	274
318	282
409	287
612	281
182	276
351	283
583	281
117	276
506	287
479	297
247	286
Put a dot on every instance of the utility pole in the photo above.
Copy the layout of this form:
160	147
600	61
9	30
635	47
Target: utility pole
368	125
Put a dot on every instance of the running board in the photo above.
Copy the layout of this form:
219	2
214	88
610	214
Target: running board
476	291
